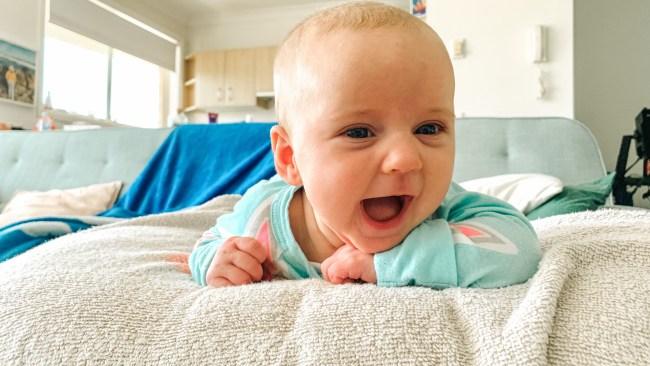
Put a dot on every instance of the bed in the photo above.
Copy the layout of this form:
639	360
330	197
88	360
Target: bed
116	293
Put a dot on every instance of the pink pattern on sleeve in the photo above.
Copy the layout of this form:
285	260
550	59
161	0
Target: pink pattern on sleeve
264	237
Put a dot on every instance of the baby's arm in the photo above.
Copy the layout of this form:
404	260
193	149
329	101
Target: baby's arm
234	261
228	252
476	241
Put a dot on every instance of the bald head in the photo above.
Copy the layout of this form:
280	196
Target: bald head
292	72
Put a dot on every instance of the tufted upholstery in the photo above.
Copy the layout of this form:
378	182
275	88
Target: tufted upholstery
66	159
485	147
556	146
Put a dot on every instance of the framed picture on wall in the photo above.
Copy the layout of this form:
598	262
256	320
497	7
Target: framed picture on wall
17	74
419	8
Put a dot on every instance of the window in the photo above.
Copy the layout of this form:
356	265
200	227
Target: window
75	73
133	79
85	77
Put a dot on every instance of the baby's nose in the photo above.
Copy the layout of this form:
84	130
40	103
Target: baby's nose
402	157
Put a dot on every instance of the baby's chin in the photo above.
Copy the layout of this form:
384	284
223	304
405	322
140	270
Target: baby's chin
374	246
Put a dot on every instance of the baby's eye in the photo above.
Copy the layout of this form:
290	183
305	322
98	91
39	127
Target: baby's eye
358	133
428	129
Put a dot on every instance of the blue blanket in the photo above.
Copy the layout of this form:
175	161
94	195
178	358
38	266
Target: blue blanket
194	164
23	235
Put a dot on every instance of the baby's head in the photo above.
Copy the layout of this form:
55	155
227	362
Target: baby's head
365	99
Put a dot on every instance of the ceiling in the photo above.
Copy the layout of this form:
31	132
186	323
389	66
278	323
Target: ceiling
185	9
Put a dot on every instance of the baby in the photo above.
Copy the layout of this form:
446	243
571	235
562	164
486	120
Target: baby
364	151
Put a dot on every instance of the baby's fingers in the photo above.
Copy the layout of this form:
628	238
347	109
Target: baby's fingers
180	261
248	264
339	280
324	267
236	276
219	282
338	273
252	247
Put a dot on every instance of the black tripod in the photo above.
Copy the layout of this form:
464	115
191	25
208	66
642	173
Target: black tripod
621	195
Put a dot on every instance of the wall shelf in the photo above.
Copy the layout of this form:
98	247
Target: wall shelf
189	83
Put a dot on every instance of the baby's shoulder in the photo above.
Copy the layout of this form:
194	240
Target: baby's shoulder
262	191
255	203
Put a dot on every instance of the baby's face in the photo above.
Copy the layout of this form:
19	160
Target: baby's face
373	137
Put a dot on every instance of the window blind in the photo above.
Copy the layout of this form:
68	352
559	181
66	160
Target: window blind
93	21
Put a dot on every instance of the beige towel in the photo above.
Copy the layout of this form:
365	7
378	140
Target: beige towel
110	295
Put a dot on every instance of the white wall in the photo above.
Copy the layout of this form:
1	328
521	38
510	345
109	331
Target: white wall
612	68
242	30
253	28
496	78
599	69
21	23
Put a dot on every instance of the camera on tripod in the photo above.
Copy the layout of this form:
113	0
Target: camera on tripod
622	182
642	134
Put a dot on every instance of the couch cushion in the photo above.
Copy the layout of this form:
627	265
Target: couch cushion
82	201
523	191
39	161
559	147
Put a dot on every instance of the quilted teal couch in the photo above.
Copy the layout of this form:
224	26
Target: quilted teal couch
485	146
62	159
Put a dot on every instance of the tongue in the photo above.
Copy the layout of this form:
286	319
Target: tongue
382	208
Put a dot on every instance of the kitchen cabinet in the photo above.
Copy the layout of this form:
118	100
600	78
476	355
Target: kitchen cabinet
264	57
227	78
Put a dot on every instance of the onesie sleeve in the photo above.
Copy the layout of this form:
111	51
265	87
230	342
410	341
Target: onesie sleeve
204	250
472	240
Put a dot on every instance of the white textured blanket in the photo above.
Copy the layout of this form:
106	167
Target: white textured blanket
110	295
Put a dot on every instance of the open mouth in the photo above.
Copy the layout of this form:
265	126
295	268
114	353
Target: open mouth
385	209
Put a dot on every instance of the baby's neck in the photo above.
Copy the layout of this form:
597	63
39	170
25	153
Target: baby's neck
312	241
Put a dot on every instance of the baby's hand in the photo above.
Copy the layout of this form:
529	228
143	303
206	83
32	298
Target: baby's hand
237	262
348	264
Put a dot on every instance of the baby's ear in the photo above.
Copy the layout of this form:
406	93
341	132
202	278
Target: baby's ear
285	163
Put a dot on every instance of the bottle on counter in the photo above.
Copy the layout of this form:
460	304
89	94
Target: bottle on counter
46	122
179	119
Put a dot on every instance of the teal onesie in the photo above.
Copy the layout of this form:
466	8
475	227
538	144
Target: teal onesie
471	240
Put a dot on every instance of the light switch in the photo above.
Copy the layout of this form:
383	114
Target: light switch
459	48
538	44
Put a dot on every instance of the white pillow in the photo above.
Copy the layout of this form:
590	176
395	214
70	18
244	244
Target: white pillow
523	191
82	201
